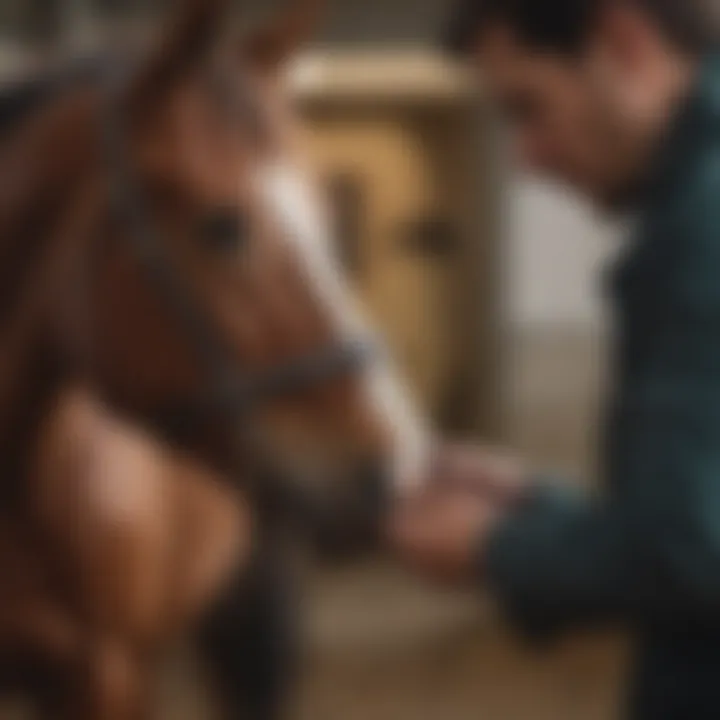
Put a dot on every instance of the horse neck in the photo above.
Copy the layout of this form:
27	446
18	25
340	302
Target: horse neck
35	390
212	444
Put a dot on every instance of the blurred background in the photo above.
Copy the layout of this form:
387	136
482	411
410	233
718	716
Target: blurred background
487	285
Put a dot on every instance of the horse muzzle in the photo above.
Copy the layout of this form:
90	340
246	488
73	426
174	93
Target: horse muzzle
342	519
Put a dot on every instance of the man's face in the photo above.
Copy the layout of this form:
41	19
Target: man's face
568	113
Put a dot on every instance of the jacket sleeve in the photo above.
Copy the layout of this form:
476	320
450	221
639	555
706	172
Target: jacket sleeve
650	553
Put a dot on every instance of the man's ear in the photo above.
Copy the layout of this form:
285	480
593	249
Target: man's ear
190	35
273	46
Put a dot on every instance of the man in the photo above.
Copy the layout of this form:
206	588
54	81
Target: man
621	99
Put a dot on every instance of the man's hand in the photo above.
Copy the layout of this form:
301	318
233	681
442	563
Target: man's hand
441	534
494	474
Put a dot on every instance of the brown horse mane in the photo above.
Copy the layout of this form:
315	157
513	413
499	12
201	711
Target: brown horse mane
46	156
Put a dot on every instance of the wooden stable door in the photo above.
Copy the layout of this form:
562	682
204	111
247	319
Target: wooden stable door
399	203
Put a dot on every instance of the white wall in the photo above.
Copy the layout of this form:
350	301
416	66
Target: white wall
557	249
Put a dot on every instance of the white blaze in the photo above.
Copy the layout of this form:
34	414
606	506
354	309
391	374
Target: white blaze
292	200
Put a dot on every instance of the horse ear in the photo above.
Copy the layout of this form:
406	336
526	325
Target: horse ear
190	35
273	45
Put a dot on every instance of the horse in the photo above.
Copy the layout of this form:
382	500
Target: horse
182	367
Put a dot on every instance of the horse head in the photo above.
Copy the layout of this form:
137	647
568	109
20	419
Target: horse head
207	296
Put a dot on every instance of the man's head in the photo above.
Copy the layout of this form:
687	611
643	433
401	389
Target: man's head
589	85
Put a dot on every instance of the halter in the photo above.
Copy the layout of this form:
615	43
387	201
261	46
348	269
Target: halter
229	393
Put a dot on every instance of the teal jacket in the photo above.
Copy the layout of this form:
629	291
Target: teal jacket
647	552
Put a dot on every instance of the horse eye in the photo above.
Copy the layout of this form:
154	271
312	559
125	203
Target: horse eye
225	230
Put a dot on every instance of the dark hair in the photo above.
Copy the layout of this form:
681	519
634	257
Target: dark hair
564	25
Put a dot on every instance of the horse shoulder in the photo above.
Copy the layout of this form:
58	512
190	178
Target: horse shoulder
152	534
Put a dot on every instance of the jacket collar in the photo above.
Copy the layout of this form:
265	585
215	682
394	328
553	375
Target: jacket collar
696	119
